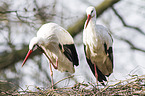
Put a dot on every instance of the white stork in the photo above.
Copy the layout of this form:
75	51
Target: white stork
98	47
57	45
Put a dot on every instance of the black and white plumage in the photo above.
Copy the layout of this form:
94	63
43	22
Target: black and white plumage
98	47
57	45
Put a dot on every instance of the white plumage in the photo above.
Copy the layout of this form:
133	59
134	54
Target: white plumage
53	35
98	47
57	45
51	29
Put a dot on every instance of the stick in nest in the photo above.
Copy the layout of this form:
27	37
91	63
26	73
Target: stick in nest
71	76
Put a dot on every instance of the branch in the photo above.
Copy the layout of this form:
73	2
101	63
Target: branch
71	76
4	12
132	46
125	24
10	58
79	25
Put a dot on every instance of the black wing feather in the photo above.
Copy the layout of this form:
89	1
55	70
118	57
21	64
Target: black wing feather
101	77
70	53
110	52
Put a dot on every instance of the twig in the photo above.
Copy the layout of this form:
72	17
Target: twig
125	24
132	46
62	80
122	82
4	12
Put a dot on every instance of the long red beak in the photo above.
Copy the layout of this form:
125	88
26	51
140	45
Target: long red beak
28	54
88	19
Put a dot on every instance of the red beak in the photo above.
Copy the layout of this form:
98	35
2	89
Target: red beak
28	54
88	19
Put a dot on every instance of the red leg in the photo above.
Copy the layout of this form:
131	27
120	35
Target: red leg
96	75
62	48
55	66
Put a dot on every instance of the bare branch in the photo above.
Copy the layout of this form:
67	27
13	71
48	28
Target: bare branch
132	46
125	24
5	12
79	25
71	76
10	58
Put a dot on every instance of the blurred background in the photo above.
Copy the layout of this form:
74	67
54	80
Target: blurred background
20	20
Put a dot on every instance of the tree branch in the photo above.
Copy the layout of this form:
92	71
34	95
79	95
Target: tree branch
79	25
4	12
10	58
125	24
132	46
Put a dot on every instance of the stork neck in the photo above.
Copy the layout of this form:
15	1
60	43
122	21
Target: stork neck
40	40
92	23
34	41
93	20
91	30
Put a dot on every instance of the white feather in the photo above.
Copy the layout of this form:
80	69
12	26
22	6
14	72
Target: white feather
94	37
49	36
50	29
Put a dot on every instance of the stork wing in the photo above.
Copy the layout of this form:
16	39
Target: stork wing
69	51
109	52
101	77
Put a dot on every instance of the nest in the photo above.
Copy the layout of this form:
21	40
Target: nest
132	86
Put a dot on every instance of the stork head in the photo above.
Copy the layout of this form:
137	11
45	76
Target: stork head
91	13
34	44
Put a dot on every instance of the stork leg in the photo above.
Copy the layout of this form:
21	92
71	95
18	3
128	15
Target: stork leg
51	73
62	48
96	75
55	66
